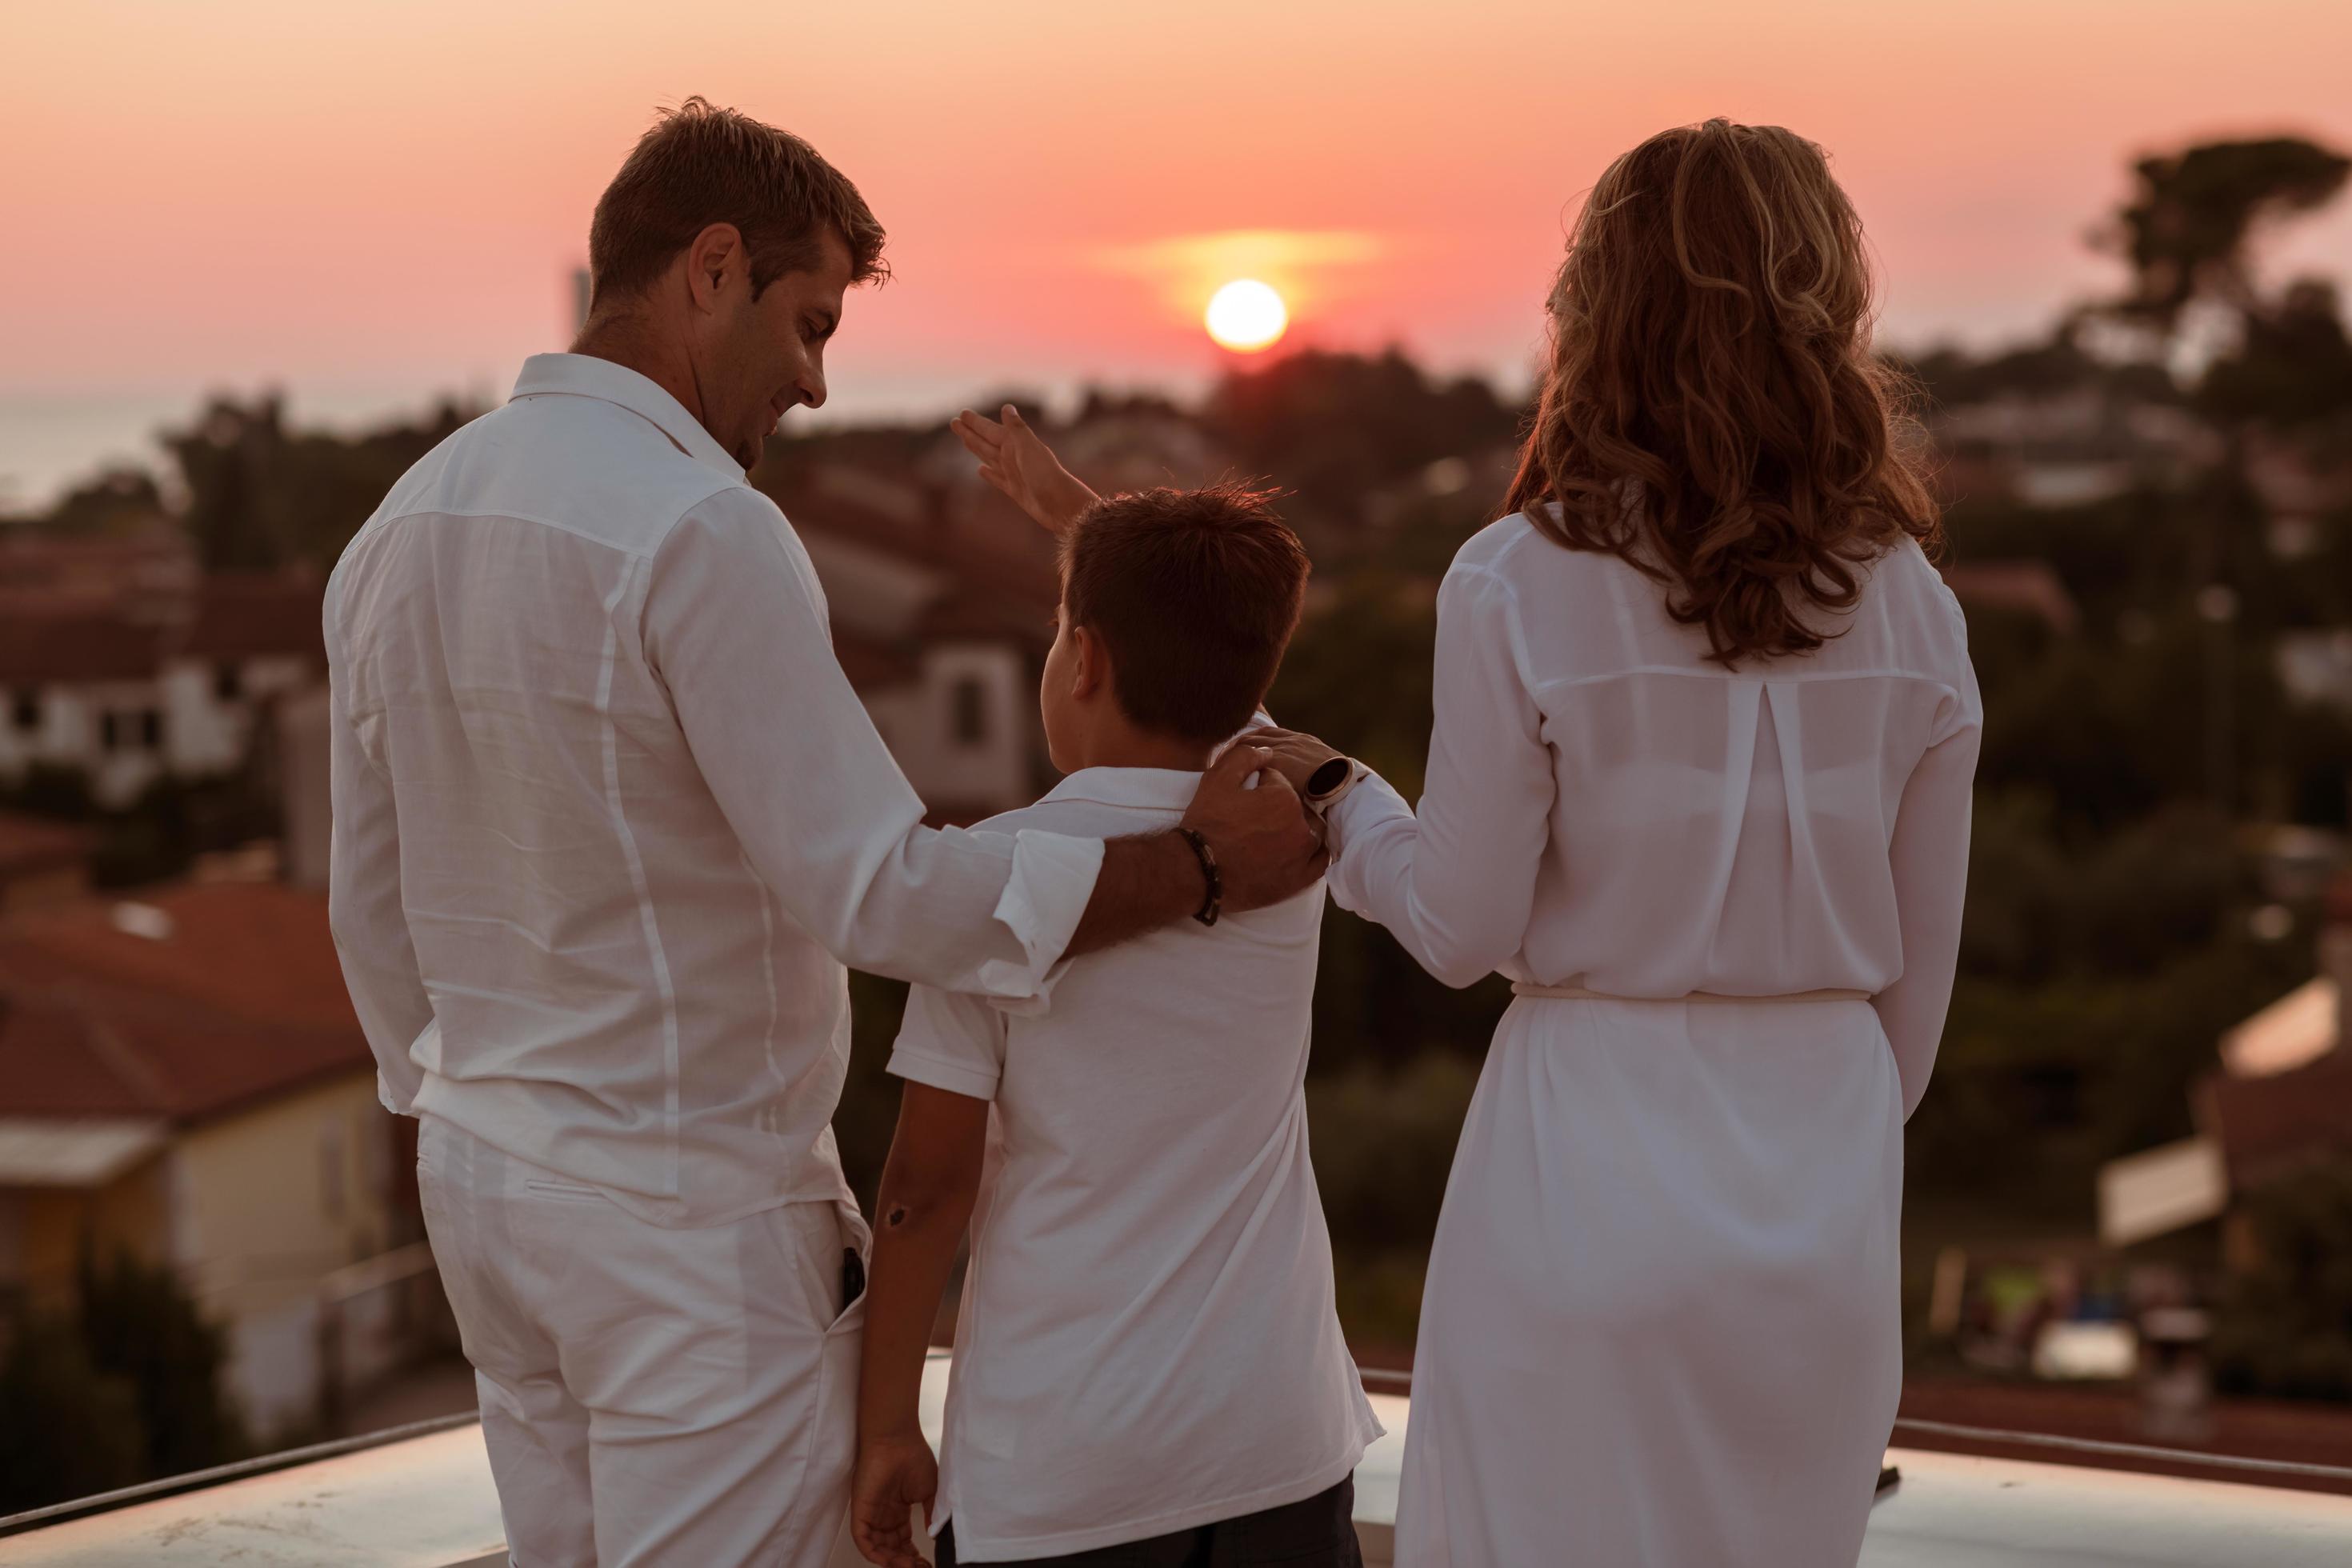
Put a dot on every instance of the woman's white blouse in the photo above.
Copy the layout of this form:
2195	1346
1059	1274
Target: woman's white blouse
1606	807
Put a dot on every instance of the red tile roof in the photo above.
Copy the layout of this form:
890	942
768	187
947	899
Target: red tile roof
1000	580
989	551
2268	1126
77	644
229	616
243	614
243	999
871	665
252	950
54	1061
103	568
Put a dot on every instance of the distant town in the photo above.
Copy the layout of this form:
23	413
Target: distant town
2134	1165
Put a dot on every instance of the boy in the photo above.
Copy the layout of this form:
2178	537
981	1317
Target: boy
1149	1368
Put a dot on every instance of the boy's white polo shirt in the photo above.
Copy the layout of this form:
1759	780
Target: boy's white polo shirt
1147	1340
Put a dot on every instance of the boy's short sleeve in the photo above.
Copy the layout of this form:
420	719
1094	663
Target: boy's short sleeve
950	1041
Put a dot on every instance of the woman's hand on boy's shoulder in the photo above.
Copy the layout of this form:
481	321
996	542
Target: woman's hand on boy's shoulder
1293	755
1017	460
895	1474
1269	847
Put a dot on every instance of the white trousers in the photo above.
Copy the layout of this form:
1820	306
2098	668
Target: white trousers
649	1396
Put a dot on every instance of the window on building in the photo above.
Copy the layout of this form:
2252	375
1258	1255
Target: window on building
28	710
151	728
969	711
110	732
229	682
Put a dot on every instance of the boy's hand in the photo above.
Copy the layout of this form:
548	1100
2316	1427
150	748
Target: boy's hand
894	1474
1017	460
1293	755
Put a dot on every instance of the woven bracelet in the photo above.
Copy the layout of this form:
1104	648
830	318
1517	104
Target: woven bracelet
1214	904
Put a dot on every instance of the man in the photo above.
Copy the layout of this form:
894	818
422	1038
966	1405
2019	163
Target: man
609	820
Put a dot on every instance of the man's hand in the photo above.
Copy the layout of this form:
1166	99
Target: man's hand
1017	460
1294	756
894	1473
1269	847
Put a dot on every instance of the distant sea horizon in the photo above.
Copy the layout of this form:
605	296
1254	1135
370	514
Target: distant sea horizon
52	442
49	443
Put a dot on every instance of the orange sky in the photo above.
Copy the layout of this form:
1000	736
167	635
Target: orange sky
365	202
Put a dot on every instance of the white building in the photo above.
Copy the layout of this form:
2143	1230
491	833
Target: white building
2281	1097
128	692
181	1078
942	619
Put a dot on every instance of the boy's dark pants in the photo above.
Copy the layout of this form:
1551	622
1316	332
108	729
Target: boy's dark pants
1320	1533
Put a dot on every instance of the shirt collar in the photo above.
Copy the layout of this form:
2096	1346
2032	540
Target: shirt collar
1160	789
585	376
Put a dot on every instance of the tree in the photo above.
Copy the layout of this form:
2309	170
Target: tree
126	1389
2286	1326
2188	230
2189	235
1953	378
139	1324
260	496
2293	367
117	501
67	1430
1335	426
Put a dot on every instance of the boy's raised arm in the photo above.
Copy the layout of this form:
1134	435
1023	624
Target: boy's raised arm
929	1186
1015	459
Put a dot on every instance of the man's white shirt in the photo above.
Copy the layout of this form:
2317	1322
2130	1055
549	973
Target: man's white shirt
609	819
1148	1340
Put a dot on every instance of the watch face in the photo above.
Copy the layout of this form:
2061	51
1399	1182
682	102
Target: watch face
1327	777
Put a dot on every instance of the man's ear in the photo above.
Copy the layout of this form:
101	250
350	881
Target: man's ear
715	262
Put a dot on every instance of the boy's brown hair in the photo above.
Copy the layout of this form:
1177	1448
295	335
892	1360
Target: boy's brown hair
1194	594
701	164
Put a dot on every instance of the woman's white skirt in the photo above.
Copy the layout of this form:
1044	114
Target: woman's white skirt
1663	1320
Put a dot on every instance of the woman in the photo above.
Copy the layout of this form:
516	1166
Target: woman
1699	785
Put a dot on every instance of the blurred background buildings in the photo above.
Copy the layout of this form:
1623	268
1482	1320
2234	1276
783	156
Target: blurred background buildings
2131	1184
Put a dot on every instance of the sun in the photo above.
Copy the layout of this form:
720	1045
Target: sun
1246	315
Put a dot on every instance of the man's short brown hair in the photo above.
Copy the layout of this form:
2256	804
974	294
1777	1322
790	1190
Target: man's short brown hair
1194	594
699	165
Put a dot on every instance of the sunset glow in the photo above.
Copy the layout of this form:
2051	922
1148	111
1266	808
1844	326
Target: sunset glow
1247	316
386	202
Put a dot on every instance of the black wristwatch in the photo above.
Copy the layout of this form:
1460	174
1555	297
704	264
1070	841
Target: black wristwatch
1334	778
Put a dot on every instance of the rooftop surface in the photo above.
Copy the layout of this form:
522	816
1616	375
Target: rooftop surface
424	1499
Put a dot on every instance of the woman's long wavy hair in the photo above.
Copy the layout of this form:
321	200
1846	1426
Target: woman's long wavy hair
1713	412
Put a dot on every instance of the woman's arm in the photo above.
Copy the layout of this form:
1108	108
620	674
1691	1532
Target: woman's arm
928	1188
1455	886
1929	855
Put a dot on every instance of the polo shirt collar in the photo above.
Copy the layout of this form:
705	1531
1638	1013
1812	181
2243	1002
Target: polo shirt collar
585	376
1158	789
